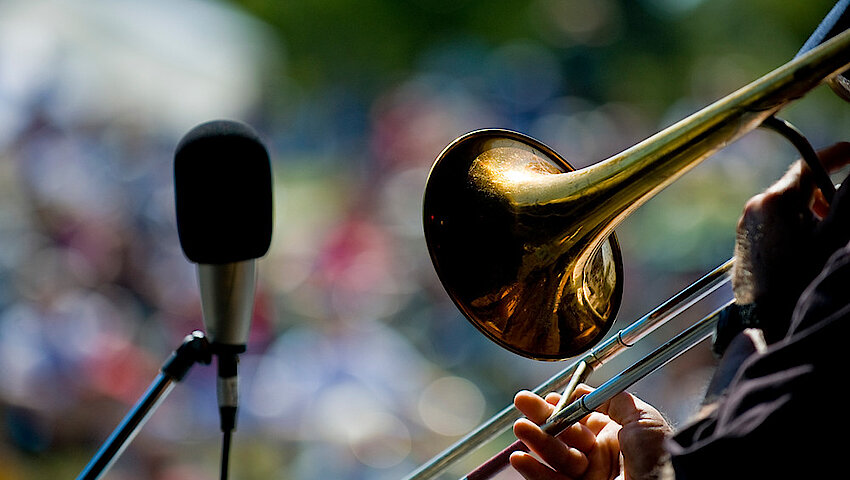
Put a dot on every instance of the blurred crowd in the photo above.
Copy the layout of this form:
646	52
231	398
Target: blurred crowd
358	366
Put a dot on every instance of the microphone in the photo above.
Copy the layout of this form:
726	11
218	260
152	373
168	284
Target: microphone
223	202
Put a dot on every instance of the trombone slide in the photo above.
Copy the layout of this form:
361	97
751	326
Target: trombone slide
586	404
603	352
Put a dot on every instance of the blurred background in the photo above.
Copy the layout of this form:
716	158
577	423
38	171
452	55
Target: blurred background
359	366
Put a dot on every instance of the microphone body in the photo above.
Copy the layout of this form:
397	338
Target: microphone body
227	302
223	201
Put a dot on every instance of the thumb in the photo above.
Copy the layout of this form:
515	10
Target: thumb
625	408
642	435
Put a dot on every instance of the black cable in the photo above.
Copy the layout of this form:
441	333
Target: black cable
225	453
228	399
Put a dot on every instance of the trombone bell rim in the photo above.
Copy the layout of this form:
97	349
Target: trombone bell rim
514	272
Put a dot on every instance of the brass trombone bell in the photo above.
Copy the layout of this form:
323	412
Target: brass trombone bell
504	255
524	244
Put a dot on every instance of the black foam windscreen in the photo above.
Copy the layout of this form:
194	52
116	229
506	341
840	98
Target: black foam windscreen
223	193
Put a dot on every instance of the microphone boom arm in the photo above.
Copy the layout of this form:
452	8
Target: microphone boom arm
195	349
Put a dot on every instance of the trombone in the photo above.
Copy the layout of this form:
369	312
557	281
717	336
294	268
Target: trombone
524	244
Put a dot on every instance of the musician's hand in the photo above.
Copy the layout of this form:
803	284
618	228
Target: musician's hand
592	448
785	236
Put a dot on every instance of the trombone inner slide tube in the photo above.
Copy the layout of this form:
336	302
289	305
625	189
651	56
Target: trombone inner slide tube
586	404
525	245
605	351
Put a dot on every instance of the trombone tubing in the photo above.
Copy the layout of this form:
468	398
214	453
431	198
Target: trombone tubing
605	351
586	404
670	153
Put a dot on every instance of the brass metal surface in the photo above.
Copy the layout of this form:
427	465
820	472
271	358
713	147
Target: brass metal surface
524	244
516	272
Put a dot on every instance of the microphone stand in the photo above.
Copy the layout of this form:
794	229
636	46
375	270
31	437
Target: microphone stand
195	349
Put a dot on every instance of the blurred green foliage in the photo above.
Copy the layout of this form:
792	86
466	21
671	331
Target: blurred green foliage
372	43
